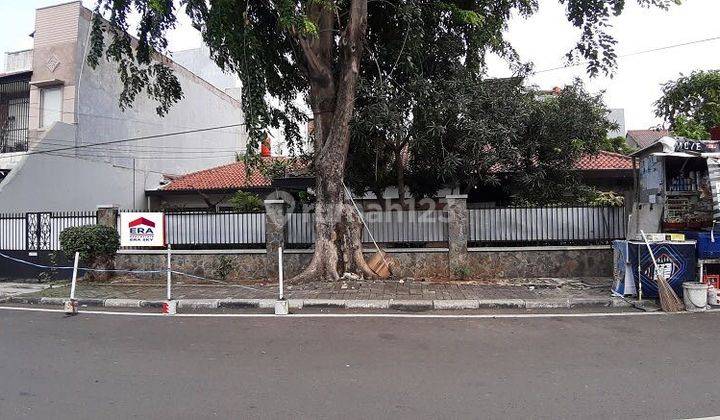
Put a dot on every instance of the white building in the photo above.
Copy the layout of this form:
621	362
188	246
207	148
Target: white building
65	144
617	116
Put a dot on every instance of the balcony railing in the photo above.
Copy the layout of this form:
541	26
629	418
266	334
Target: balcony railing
14	115
16	61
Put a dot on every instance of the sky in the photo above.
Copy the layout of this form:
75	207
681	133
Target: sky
542	39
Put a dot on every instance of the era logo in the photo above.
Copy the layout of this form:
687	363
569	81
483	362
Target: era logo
142	229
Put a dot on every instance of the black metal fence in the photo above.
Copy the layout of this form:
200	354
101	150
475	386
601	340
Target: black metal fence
545	225
225	230
39	231
197	229
396	228
12	231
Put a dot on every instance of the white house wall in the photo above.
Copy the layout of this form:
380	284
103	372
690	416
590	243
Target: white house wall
198	61
83	177
42	182
101	120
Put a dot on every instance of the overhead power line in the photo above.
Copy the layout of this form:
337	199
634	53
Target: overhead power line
142	158
131	139
148	149
124	118
667	47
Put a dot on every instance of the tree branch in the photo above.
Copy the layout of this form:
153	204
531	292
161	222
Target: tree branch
351	42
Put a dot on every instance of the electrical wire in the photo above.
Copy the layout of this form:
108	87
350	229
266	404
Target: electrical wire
108	117
150	151
110	156
136	147
129	139
667	47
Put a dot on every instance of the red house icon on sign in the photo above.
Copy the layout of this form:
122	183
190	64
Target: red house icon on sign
141	222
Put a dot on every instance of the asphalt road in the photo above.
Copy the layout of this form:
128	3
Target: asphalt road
99	366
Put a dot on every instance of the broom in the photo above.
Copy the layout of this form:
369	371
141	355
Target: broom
378	262
669	300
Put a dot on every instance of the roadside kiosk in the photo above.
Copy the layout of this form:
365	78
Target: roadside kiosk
677	194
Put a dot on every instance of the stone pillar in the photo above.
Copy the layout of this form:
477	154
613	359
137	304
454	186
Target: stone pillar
274	234
457	218
107	215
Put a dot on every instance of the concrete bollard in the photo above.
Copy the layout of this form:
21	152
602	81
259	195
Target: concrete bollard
170	307
71	307
282	307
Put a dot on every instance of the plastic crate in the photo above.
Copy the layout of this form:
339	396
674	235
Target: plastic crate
713	279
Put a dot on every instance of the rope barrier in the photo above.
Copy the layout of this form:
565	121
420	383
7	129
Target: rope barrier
219	281
98	270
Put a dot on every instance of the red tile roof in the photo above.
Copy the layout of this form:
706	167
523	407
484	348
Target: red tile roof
604	161
644	138
232	176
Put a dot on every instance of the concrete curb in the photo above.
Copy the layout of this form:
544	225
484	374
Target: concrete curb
324	303
501	303
401	305
198	303
456	304
367	304
122	303
239	303
411	305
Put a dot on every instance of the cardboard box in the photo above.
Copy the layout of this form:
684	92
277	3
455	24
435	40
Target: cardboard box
659	237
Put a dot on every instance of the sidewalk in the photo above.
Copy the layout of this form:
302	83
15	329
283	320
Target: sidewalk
517	293
15	289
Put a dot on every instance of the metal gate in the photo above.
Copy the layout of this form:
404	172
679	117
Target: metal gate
38	231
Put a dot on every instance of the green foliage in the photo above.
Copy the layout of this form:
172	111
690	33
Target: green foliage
306	198
246	202
695	99
462	272
690	128
574	195
265	44
607	199
275	168
93	242
559	130
616	144
51	274
223	267
468	132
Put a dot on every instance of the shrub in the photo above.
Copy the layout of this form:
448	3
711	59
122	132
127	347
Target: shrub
51	274
608	199
93	242
462	272
246	202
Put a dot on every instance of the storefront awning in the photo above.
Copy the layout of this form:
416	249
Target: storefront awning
676	154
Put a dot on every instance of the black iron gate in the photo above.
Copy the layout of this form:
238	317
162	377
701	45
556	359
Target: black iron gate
38	231
35	239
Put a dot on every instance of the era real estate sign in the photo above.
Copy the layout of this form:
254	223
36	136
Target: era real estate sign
142	229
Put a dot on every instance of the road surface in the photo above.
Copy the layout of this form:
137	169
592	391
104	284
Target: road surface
100	366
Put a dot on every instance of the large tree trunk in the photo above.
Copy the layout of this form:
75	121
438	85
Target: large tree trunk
338	234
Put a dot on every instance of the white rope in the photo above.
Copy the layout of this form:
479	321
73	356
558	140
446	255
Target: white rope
372	238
